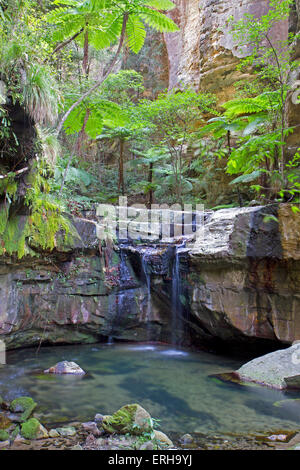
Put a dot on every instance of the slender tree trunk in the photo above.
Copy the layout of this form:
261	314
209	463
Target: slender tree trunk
121	168
85	63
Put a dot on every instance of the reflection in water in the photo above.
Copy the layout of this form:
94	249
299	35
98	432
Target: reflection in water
174	385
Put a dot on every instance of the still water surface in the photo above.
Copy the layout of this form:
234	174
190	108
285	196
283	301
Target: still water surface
174	385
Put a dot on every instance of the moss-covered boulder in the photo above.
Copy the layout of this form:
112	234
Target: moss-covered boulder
33	429
131	419
24	405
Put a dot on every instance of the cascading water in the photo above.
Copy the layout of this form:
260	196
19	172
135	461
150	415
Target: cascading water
148	308
117	303
175	301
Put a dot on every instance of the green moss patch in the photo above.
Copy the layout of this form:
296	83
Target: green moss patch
30	429
4	436
24	405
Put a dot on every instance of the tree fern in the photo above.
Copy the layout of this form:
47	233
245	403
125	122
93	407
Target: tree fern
103	19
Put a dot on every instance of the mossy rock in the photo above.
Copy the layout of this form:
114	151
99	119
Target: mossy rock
24	405
130	419
30	429
4	436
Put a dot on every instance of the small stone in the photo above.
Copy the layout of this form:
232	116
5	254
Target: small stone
186	439
147	446
162	440
14	417
53	433
66	431
91	427
4	444
65	367
278	437
77	447
19	439
98	418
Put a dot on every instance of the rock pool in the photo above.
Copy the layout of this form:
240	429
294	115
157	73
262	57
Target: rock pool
176	386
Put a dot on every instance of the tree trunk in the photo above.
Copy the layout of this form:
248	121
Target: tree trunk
85	63
121	186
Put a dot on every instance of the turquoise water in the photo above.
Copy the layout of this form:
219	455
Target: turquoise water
174	385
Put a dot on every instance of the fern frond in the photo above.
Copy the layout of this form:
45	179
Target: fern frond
136	33
165	5
157	20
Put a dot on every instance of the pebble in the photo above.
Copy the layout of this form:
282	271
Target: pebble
91	427
187	439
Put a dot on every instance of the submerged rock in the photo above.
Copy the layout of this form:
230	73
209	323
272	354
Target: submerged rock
65	367
132	419
279	369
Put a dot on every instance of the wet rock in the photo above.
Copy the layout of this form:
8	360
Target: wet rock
278	437
16	418
147	446
53	433
98	418
91	427
187	439
65	367
279	369
23	405
132	419
4	444
67	431
162	440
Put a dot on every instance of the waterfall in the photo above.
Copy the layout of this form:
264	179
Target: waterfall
176	297
117	303
147	278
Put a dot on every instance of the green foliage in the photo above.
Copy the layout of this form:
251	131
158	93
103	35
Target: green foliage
102	20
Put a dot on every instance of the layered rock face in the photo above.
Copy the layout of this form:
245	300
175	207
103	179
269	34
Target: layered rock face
74	295
244	278
238	282
203	53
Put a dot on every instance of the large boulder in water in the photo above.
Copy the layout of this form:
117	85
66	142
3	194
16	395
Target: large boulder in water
65	367
279	369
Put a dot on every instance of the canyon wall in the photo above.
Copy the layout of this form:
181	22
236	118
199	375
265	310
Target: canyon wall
203	53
